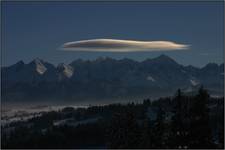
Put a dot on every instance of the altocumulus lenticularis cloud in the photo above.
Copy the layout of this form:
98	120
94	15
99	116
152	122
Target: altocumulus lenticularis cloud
116	45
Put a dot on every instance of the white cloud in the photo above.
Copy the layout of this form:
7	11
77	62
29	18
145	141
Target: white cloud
115	45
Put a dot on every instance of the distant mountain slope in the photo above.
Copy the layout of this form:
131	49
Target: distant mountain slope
106	78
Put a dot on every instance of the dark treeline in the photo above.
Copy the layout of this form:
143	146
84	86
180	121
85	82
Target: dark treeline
178	122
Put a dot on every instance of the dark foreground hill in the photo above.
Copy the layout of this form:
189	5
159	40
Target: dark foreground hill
106	78
178	122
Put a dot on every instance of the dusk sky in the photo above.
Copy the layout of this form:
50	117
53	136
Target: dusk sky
39	29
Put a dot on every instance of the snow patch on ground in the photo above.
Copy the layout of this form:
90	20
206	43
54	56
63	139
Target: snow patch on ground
74	123
150	78
193	82
24	114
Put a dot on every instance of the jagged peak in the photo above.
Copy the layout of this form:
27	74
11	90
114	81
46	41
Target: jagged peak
191	67
164	57
61	65
160	59
127	59
102	59
37	61
211	65
39	65
19	63
67	70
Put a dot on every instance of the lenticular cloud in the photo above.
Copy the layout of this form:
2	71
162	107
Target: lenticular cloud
115	45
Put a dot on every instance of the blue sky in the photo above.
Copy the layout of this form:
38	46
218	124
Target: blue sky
38	29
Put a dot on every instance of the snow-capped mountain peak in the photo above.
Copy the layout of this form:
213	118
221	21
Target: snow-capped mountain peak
40	67
194	82
150	78
67	70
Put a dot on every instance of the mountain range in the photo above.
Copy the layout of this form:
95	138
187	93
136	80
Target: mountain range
106	78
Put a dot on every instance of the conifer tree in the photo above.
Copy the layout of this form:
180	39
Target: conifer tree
200	131
159	130
179	126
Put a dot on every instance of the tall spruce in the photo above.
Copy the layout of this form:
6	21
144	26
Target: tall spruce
158	140
179	124
200	131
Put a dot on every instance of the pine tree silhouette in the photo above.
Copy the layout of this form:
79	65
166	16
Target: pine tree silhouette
200	131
